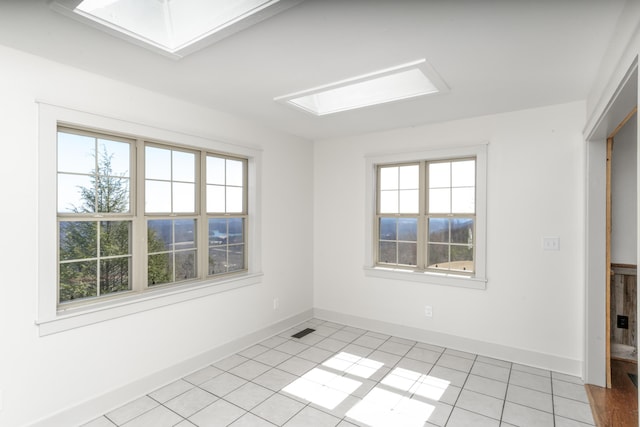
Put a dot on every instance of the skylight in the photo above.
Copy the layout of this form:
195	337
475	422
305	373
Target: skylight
392	84
175	27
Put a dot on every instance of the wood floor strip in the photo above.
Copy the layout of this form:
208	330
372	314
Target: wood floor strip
617	406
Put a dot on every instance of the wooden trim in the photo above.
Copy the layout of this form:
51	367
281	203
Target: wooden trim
608	264
622	123
609	270
626	269
629	266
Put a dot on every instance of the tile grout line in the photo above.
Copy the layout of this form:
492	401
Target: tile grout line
506	392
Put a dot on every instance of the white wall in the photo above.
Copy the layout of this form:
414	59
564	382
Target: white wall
42	375
624	196
534	301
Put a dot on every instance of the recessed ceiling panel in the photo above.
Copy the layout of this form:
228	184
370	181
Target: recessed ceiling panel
392	84
175	27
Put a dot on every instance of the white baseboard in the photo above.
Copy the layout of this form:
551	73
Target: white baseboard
96	406
498	351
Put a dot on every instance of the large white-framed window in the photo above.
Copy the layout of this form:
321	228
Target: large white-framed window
134	217
426	216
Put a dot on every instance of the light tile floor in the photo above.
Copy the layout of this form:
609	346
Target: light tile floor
344	376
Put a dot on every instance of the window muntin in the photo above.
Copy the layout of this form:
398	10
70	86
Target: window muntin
398	241
172	251
426	215
226	179
94	258
170	180
96	181
399	192
93	174
226	245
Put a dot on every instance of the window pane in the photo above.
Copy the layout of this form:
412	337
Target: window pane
157	163
409	177
218	234
234	173
462	258
76	153
71	198
236	230
114	158
215	170
408	229
215	198
184	166
157	196
439	230
438	256
114	275
234	200
185	233
78	240
409	201
115	238
113	194
185	265
407	254
389	201
389	178
160	269
184	197
159	235
388	252
439	201
217	260
388	228
439	175
462	231
463	173
463	200
78	280
236	257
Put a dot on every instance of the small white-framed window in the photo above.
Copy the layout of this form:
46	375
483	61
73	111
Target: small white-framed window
125	218
426	216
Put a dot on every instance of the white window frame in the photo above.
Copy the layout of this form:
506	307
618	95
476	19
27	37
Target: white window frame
50	319
476	281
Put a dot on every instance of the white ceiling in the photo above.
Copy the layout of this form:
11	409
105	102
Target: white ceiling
495	56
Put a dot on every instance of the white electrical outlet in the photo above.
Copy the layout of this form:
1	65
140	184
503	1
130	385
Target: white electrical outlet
551	243
276	303
428	311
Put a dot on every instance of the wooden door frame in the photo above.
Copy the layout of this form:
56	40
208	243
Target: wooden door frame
610	142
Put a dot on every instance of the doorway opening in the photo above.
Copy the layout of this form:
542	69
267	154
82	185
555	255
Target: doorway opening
621	251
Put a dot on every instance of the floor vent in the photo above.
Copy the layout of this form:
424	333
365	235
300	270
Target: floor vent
303	333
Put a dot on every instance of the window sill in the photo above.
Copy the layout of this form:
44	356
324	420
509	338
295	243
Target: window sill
76	317
427	277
